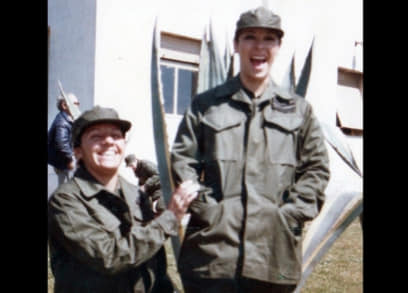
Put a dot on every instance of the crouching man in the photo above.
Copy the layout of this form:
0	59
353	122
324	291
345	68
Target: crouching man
103	236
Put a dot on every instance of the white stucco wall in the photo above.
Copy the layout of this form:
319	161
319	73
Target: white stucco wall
122	39
71	51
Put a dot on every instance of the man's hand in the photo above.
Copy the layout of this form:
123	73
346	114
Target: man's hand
186	192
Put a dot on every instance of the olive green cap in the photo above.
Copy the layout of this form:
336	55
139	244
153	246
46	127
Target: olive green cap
260	17
94	116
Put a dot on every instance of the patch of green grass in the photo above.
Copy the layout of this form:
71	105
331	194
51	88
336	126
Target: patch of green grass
50	275
341	268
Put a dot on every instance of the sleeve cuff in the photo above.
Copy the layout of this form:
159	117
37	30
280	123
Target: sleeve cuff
168	222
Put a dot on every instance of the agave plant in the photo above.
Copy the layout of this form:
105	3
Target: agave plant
340	208
214	68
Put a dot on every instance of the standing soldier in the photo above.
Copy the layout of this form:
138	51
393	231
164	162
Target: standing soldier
259	154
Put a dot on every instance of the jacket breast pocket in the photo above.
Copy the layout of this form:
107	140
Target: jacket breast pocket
282	135
223	135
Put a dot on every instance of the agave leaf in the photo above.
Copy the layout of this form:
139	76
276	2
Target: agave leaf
217	64
73	109
336	139
172	247
159	123
334	218
204	67
229	60
288	82
231	68
303	82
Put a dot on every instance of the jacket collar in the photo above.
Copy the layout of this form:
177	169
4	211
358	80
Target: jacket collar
234	88
66	116
89	185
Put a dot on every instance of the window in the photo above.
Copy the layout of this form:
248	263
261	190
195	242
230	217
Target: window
179	86
179	58
350	101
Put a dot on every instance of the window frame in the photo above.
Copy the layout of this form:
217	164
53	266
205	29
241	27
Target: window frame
179	52
354	79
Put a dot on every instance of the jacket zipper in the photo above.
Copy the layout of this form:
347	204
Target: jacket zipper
241	254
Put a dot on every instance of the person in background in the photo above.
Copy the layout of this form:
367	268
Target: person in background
60	154
149	180
103	235
259	154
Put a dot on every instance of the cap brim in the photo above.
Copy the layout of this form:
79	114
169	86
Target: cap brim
124	125
277	30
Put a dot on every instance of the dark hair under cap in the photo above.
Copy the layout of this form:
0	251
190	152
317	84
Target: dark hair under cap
260	17
129	159
96	115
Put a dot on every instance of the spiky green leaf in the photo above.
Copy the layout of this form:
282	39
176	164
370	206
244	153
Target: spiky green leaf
334	218
288	82
303	82
172	247
336	139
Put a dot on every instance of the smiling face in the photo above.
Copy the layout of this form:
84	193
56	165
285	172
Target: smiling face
257	48
102	149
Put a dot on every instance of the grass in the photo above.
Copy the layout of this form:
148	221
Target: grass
50	276
339	271
341	268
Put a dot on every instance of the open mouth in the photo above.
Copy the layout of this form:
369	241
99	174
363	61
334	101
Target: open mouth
107	154
258	60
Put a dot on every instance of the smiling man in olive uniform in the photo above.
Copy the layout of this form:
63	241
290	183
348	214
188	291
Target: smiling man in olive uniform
259	154
104	236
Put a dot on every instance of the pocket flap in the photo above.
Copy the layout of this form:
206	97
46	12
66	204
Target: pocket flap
286	121
221	122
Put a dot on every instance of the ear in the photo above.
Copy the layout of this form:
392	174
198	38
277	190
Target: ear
235	46
78	153
64	105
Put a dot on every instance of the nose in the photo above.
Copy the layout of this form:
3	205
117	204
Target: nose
259	44
108	139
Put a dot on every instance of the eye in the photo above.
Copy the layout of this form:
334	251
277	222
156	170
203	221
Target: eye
272	39
117	135
248	37
96	136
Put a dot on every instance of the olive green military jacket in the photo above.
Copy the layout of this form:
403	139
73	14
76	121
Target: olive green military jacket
106	242
264	166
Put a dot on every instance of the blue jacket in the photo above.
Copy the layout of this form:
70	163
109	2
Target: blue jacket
59	142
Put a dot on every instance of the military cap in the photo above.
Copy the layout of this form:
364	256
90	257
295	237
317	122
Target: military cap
129	159
96	115
260	17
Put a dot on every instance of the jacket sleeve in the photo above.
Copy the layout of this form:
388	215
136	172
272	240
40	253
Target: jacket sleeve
96	240
63	139
306	196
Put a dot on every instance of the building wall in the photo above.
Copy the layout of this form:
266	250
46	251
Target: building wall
71	46
71	51
101	50
123	55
